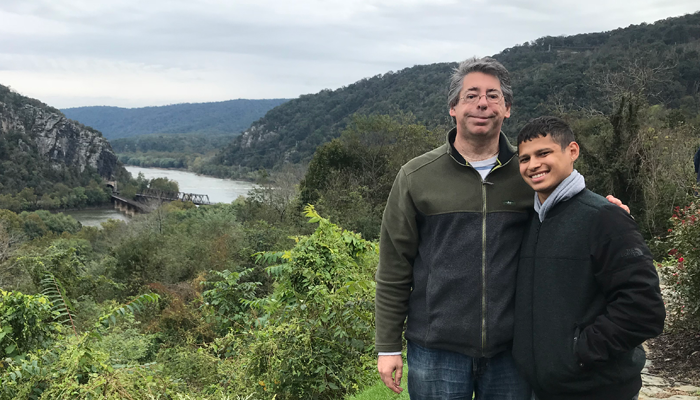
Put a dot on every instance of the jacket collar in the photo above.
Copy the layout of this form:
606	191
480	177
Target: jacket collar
506	151
562	206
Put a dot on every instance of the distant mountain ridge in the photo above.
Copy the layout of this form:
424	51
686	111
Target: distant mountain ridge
568	72
231	116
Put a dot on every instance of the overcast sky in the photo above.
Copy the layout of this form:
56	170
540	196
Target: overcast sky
135	53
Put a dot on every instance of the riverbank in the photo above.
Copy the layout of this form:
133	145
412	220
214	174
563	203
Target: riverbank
96	217
106	206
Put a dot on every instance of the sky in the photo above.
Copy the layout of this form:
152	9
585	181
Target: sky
137	53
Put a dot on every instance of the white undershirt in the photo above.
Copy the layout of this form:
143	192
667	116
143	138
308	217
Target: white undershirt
484	167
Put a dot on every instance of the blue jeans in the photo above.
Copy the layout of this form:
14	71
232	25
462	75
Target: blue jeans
445	375
636	397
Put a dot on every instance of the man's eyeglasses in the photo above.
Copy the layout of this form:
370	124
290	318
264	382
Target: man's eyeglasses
491	97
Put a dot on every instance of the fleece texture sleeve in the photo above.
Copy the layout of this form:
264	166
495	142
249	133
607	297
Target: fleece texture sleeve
398	246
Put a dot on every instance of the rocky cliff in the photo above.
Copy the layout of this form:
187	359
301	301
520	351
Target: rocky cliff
30	126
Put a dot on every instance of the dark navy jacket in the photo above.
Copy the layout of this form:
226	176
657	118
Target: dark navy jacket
587	297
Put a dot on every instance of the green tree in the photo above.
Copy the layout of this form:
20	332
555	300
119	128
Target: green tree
350	177
317	325
163	184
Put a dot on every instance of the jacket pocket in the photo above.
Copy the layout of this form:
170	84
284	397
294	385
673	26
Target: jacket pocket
577	334
558	367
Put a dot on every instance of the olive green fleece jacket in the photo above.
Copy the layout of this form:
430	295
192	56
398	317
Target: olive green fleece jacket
449	251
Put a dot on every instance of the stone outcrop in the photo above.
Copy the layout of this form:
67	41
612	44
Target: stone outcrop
656	388
58	140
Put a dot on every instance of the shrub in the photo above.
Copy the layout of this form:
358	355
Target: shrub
26	323
126	345
77	368
196	367
180	320
226	296
316	334
66	261
681	269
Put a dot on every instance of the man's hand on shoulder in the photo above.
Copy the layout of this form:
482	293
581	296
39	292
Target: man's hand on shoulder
617	202
386	365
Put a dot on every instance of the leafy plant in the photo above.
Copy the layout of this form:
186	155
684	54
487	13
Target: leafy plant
26	323
681	269
61	305
75	368
226	298
133	306
315	337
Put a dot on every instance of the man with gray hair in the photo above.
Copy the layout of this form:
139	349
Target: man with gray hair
448	252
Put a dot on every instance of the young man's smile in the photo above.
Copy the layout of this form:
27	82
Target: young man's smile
538	177
544	164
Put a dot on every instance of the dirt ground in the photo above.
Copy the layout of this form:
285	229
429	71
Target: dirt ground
676	357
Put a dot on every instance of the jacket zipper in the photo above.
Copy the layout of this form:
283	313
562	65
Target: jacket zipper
483	245
483	268
483	255
532	315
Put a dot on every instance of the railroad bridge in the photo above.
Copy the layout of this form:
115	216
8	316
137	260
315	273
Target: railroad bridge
198	199
128	207
144	201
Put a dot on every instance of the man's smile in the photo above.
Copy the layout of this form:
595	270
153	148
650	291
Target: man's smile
480	119
538	177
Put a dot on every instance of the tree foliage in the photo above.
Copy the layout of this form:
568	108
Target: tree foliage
317	326
26	323
350	177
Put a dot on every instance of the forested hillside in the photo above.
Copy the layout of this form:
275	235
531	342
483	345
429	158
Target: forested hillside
232	116
577	72
169	151
48	161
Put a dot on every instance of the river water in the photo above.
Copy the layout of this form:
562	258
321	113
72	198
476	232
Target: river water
218	190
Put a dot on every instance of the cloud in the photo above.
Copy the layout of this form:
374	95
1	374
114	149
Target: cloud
138	53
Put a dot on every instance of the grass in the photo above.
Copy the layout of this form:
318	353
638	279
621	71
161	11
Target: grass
379	391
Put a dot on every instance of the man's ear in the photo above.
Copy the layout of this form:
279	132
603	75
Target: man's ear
453	113
507	113
573	150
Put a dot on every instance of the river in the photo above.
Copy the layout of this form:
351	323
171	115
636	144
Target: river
218	190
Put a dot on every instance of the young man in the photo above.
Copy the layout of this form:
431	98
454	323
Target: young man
587	292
